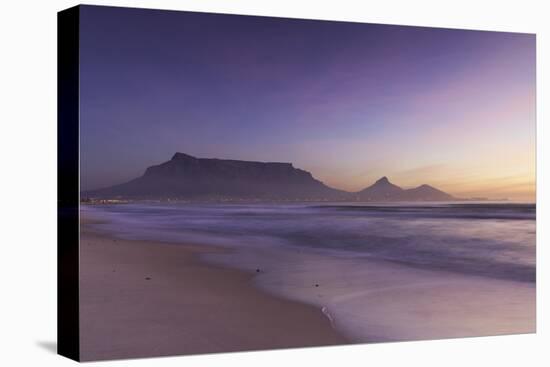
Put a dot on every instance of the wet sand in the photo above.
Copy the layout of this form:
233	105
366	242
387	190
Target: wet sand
145	299
372	300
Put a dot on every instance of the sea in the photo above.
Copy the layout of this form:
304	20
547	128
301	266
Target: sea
341	256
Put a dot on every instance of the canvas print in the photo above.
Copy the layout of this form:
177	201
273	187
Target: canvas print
250	183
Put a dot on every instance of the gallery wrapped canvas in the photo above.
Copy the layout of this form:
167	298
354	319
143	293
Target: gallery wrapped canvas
231	183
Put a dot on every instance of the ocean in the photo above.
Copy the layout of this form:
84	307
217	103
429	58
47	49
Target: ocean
348	258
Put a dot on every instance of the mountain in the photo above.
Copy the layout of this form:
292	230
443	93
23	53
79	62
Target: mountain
381	190
384	190
427	193
185	177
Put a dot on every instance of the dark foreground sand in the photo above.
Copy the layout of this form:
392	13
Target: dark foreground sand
145	299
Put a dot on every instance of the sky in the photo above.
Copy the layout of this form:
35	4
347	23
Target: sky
349	102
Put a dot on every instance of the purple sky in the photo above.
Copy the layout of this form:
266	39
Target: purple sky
349	102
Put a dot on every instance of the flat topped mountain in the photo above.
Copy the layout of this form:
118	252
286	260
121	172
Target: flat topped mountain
185	166
185	177
188	177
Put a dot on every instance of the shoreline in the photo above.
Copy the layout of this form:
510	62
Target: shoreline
351	299
147	299
373	301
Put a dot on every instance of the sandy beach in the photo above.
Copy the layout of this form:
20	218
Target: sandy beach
190	295
146	299
371	300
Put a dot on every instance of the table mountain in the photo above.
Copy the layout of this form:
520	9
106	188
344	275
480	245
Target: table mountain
185	177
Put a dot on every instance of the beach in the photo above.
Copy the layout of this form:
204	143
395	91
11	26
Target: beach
182	279
372	301
146	299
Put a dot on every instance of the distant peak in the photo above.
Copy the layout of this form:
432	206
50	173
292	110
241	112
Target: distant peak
182	156
383	180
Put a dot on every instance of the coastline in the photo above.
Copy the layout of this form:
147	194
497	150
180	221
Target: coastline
147	299
372	300
306	297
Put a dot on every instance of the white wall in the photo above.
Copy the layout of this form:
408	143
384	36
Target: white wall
28	181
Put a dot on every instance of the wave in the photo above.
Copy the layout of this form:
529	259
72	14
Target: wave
491	239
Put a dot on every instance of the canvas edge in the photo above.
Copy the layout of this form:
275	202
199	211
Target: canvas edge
68	332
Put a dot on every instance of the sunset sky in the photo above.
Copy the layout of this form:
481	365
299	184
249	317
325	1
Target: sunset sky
348	102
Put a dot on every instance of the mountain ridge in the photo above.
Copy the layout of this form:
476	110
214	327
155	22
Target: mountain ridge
185	177
384	190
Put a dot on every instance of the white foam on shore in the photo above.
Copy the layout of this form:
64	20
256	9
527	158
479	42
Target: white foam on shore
367	299
374	301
